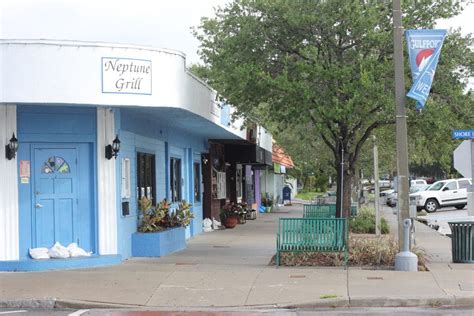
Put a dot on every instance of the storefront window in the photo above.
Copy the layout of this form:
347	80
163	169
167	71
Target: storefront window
146	177
197	182
175	179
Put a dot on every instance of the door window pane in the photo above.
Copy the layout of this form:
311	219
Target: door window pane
55	164
451	186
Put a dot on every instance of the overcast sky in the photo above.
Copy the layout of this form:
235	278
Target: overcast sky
159	23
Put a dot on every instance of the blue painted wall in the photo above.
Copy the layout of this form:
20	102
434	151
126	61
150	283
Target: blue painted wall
142	132
38	124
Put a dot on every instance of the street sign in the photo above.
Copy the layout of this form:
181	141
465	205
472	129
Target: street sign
459	133
463	158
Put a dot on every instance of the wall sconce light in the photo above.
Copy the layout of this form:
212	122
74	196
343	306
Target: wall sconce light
11	148
112	150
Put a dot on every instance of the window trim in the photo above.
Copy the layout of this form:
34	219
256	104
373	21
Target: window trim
126	179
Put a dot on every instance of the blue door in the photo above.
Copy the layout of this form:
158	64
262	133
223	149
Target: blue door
55	197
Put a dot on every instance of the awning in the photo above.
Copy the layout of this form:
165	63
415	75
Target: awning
279	157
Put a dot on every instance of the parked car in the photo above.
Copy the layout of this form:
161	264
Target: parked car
444	193
392	198
385	193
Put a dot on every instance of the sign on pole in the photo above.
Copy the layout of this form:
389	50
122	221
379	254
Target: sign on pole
463	159
460	133
424	48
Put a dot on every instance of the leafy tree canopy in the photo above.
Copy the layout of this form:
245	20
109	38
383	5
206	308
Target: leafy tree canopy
328	64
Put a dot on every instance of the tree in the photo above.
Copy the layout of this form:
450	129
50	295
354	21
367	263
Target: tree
327	63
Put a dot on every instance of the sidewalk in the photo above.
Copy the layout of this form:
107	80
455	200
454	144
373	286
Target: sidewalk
229	270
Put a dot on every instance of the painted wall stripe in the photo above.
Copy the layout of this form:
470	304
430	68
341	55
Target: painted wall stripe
9	237
106	184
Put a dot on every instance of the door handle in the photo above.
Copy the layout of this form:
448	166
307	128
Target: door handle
38	205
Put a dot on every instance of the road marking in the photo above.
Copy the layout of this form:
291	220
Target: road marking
79	312
13	312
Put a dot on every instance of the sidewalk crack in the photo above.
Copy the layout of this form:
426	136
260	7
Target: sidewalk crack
253	284
437	283
347	286
159	285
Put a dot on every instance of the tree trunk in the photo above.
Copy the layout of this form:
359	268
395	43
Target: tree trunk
347	188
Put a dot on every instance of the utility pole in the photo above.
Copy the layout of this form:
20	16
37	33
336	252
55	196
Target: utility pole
401	122
342	180
377	193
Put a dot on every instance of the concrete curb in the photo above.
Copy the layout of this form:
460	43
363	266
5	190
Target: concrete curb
369	301
394	301
75	304
47	303
321	303
330	303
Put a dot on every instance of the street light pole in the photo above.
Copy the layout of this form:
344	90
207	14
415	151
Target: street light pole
377	191
401	121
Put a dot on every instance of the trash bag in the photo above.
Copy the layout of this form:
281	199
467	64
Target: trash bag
58	251
207	225
76	251
39	253
216	224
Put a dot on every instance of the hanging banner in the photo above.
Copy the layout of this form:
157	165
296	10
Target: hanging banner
424	48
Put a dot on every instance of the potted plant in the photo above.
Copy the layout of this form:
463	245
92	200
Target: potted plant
229	215
267	202
160	230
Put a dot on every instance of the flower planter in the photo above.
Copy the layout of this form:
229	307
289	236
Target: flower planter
268	209
230	222
158	244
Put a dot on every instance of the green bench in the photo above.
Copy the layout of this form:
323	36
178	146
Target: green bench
312	235
325	210
319	211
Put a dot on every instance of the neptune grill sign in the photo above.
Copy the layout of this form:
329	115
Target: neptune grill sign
126	75
424	48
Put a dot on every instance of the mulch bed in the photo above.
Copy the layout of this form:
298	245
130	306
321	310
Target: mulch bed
365	251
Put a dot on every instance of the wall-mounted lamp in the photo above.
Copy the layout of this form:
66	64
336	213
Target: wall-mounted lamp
113	150
11	148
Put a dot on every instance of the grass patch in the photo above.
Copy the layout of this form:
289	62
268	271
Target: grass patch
364	222
309	195
325	296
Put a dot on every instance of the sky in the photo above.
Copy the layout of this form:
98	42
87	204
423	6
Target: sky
158	23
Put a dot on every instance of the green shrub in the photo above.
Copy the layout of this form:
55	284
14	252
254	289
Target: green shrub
364	222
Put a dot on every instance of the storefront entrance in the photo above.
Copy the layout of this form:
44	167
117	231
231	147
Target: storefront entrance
61	195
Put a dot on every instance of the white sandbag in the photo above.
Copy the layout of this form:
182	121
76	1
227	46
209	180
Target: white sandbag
76	251
58	251
216	224
207	225
39	253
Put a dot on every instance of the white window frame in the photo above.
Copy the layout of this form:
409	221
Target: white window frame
126	178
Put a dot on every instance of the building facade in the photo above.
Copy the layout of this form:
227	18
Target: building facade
69	105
